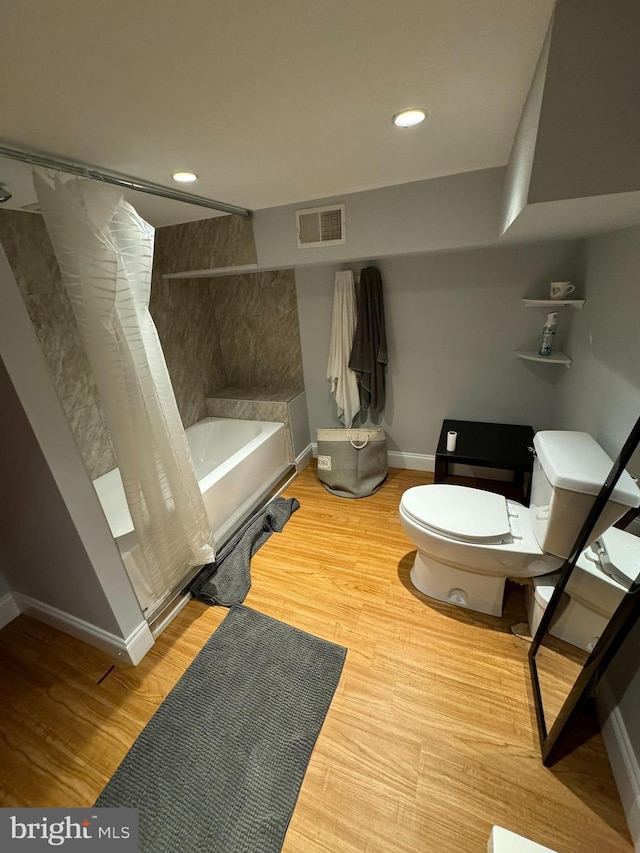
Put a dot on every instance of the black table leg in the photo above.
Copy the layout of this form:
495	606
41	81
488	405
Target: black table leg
518	481
441	469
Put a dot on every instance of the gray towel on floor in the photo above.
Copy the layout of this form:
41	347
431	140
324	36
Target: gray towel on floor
228	580
369	351
219	766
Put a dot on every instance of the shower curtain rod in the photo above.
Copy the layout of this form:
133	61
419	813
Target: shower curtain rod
48	161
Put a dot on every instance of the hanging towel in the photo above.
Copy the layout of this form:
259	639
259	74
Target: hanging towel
344	385
369	352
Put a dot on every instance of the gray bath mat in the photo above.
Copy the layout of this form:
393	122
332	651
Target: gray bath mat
228	580
219	766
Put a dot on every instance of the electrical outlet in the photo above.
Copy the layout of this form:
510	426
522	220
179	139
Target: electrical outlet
324	463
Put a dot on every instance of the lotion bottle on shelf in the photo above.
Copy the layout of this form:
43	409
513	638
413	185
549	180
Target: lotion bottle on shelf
548	334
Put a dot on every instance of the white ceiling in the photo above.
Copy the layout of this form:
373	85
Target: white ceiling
269	101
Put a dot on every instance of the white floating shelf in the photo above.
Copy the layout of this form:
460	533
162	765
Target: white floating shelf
554	303
554	358
216	272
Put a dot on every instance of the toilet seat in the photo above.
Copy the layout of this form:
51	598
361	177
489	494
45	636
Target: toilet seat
459	513
588	583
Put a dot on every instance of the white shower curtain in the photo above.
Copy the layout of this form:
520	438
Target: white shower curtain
105	254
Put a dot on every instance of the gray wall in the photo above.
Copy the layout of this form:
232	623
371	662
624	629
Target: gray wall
40	550
453	322
573	169
623	679
518	174
587	141
4	586
55	543
601	394
442	213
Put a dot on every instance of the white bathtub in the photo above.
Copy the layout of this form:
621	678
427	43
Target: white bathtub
235	461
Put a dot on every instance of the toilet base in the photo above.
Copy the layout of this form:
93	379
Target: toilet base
578	625
483	593
572	622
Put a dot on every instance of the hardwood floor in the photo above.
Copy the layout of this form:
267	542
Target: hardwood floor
559	664
429	741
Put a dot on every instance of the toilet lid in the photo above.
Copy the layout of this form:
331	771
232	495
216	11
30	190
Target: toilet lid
459	512
622	552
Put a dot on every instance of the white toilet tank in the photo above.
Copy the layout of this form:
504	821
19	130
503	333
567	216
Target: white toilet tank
568	473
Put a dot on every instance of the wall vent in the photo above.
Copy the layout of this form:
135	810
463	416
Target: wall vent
321	226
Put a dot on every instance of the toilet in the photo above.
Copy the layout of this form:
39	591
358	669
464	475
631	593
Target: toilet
470	541
596	586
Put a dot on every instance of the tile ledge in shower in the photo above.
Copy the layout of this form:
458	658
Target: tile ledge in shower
222	272
286	407
263	395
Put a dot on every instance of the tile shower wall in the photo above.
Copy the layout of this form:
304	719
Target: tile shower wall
257	320
187	328
222	241
32	259
237	331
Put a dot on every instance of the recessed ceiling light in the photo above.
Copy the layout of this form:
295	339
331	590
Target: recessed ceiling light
409	118
184	177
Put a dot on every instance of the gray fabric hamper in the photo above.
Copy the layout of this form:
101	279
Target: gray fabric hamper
352	463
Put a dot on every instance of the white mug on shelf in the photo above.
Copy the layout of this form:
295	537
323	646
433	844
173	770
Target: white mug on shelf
561	289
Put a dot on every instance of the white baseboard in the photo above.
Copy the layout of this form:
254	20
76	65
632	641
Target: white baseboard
130	650
305	457
8	609
137	644
411	461
624	762
398	459
168	615
427	462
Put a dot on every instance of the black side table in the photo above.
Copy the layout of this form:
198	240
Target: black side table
507	446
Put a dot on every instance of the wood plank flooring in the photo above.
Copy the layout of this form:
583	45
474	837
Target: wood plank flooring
430	739
559	664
